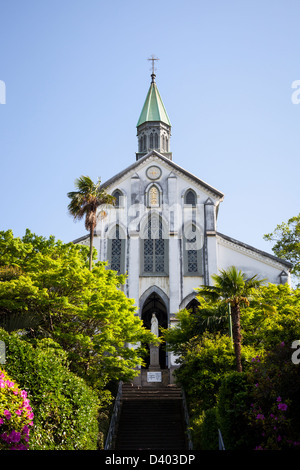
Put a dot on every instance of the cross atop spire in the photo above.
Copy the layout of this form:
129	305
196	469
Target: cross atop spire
153	58
153	127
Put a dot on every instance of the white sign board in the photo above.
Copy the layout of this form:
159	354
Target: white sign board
153	376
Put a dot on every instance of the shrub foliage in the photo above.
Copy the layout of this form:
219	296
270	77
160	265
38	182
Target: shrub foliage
16	416
65	408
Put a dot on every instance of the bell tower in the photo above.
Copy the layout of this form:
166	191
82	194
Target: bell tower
154	126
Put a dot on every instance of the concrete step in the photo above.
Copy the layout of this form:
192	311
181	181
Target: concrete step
130	392
151	418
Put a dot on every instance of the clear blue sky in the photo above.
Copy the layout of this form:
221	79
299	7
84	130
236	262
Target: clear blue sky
76	76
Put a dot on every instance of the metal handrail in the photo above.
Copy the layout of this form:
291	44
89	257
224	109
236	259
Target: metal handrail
221	443
114	419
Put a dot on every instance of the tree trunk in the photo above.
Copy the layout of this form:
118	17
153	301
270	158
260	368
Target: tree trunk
237	337
91	245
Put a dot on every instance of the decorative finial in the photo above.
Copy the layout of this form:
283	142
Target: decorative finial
153	58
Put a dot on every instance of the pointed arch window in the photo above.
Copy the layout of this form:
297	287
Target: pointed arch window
151	141
118	197
193	251
190	198
193	305
154	196
143	142
154	247
116	250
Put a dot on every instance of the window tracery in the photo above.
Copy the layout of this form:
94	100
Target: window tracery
154	246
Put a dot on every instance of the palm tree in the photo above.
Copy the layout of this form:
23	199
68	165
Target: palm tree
85	202
233	287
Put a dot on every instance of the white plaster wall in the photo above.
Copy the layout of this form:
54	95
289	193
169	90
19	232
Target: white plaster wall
190	283
248	263
145	282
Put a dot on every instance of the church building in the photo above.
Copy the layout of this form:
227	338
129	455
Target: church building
162	231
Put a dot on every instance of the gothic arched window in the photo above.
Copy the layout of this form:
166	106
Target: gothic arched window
144	142
154	247
116	250
192	251
118	197
153	196
190	198
193	305
151	141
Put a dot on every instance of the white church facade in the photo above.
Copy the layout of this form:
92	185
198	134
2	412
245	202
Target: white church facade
162	231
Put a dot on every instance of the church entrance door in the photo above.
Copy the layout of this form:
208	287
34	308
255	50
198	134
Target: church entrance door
154	304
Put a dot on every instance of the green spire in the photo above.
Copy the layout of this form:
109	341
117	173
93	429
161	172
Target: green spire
153	109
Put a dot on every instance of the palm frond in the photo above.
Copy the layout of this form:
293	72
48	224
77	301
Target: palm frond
85	201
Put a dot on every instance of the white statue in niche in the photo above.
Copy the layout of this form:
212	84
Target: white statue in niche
154	325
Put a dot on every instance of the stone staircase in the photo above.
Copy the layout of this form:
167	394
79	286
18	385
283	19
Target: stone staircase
151	418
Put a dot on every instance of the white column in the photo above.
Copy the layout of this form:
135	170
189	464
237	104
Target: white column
211	255
174	255
174	273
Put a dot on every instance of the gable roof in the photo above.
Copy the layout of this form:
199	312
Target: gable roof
169	162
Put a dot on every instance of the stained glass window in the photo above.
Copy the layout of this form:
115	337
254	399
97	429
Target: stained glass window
192	258
154	246
116	253
153	197
192	247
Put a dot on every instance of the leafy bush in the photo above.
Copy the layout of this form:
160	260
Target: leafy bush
274	414
233	403
15	415
207	359
205	431
65	408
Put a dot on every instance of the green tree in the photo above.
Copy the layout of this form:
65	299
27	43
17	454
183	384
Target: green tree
287	242
85	311
85	203
203	364
264	328
207	317
234	288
